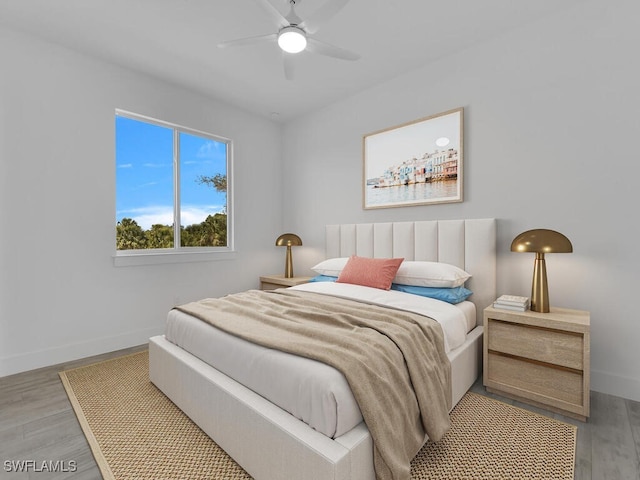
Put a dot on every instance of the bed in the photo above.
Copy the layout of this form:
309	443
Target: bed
272	444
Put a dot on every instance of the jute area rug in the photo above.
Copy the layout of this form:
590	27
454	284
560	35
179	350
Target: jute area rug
135	432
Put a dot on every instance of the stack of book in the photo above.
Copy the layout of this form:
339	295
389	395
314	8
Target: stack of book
512	302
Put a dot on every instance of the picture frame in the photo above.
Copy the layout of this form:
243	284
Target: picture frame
416	163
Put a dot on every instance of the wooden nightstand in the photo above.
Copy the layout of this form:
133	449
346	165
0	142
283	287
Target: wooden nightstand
539	358
271	282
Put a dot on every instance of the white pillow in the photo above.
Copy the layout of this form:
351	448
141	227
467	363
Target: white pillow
421	274
331	267
430	274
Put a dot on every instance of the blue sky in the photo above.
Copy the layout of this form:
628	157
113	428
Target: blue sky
144	174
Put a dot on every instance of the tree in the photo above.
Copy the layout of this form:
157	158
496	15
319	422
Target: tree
213	231
159	236
210	233
218	181
129	235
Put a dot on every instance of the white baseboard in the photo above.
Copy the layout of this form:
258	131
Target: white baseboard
66	353
618	385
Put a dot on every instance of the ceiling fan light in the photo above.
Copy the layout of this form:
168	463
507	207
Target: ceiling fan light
292	40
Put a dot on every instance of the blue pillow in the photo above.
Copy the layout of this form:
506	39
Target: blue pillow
450	295
323	278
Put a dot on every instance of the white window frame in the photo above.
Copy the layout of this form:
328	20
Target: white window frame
179	254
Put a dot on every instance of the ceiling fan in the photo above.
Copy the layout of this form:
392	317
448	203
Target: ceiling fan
294	34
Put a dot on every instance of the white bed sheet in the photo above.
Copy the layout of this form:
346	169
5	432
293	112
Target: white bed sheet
311	391
454	319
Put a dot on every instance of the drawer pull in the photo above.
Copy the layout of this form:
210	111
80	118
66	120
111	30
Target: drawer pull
537	362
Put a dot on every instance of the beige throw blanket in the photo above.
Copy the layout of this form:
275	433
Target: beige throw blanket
394	361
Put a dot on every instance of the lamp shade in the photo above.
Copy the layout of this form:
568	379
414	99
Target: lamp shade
541	241
288	240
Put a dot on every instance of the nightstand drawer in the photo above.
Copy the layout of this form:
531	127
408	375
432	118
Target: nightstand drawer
544	345
537	381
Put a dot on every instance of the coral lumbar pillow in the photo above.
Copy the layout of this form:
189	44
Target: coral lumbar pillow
370	272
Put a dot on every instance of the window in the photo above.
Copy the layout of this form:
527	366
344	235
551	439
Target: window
172	188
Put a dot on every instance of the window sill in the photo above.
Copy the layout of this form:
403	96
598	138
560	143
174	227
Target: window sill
137	258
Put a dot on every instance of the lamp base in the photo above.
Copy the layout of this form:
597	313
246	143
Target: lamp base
288	264
540	287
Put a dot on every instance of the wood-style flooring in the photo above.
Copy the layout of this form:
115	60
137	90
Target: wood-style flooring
37	423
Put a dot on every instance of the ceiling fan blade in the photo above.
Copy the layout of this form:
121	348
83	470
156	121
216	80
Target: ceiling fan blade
242	42
273	12
323	15
316	46
287	62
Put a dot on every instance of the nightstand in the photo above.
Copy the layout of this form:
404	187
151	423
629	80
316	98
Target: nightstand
539	358
271	282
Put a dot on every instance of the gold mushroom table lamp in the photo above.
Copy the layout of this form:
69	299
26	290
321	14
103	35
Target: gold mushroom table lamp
288	240
541	241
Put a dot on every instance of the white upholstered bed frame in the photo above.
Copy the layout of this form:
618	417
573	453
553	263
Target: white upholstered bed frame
271	444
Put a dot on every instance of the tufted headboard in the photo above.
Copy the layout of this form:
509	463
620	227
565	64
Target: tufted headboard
468	244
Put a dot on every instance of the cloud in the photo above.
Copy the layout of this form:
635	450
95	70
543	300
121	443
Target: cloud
156	165
198	214
144	185
147	216
210	149
126	165
163	215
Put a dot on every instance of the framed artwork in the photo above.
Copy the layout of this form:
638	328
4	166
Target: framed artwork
416	163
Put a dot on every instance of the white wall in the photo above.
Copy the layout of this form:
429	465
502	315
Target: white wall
551	120
60	295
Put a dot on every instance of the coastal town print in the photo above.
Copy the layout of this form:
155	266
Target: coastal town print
417	163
